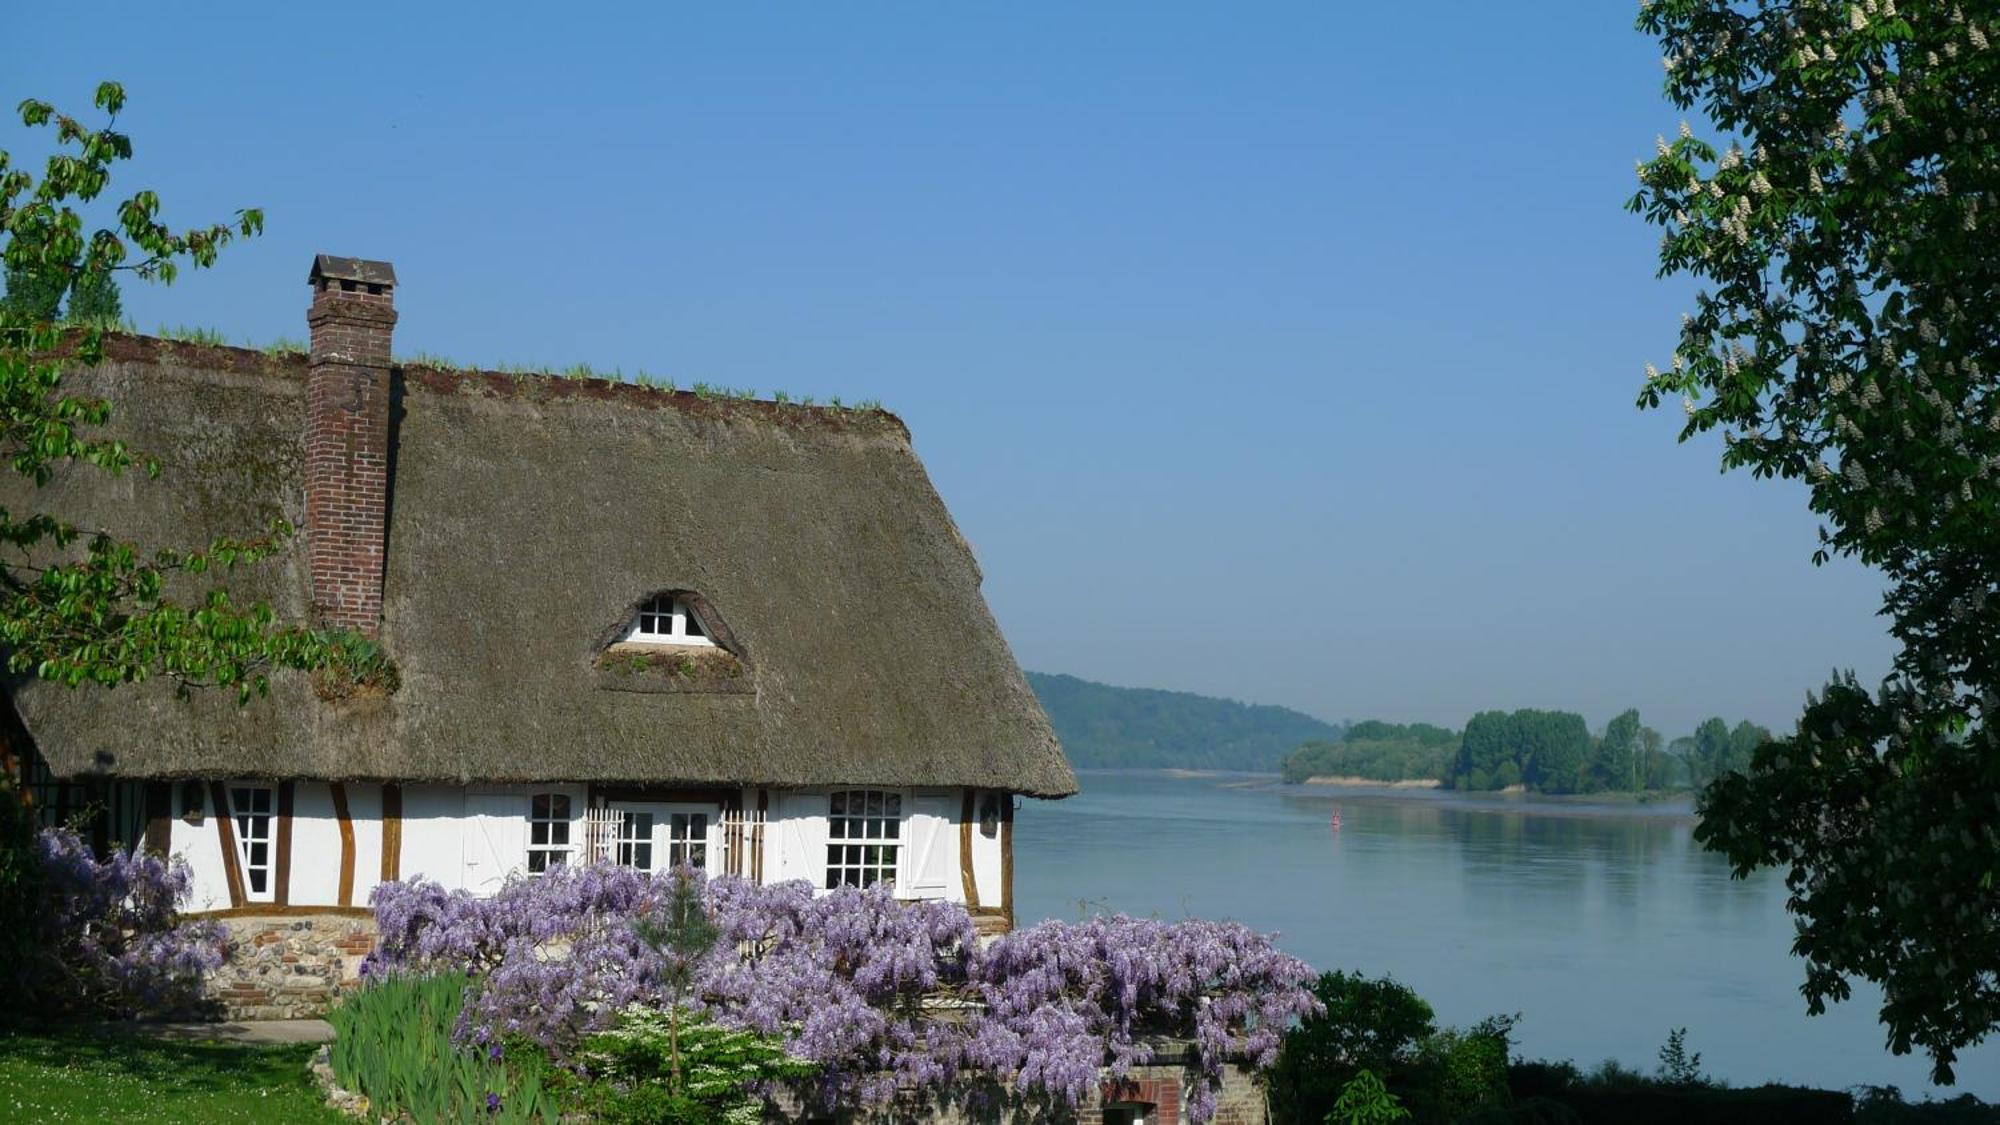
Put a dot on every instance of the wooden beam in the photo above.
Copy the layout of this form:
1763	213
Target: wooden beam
282	893
271	910
346	823
159	817
392	832
757	838
965	850
232	866
1007	857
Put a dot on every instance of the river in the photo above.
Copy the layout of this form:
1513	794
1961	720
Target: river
1603	926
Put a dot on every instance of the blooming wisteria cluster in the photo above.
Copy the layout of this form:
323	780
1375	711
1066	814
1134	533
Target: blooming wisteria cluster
110	937
891	999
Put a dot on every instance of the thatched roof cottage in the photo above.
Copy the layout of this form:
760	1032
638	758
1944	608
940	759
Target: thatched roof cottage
629	624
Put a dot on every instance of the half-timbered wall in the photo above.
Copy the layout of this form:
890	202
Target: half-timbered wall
329	845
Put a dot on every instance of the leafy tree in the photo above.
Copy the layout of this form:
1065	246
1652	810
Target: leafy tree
94	299
1744	739
1658	767
1845	335
1554	749
1369	1026
1366	1101
81	606
1377	751
1617	762
1485	746
1708	758
34	290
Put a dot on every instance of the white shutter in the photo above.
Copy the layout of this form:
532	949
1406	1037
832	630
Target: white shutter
932	849
495	833
802	837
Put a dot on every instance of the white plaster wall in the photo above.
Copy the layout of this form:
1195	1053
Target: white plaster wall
986	853
450	831
433	834
315	862
201	846
364	805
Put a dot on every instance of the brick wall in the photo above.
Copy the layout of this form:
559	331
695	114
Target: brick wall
347	451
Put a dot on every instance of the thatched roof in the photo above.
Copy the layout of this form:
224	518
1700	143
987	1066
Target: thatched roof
528	517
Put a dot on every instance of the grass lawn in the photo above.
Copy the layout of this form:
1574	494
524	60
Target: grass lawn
100	1075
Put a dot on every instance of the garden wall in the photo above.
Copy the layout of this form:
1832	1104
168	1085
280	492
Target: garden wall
288	967
1158	1090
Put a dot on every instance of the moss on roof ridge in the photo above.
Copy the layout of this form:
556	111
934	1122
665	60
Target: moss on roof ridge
440	376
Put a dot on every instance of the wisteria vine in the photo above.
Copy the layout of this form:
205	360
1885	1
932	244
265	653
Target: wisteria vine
893	1000
109	937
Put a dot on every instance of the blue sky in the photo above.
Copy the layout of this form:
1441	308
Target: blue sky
1286	353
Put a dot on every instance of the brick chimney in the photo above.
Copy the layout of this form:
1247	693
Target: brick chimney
347	439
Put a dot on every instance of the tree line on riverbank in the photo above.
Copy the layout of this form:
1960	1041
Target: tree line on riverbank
1106	727
1540	751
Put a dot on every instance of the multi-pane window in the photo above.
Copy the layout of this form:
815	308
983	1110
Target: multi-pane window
687	839
634	843
665	619
250	809
548	832
864	835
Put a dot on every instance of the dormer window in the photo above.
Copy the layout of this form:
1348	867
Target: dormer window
667	620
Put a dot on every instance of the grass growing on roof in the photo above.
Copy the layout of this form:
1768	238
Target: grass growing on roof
98	1075
584	371
193	334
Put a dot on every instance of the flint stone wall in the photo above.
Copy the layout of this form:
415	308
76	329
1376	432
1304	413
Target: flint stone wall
289	967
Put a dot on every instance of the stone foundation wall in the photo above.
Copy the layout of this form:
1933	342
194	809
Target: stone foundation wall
289	967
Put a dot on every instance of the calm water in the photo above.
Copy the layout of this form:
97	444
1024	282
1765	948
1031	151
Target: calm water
1603	927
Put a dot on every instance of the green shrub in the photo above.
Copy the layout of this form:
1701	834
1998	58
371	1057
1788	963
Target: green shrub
1365	1101
677	1068
1884	1105
393	1043
1614	1095
1456	1072
1371	1025
1383	1028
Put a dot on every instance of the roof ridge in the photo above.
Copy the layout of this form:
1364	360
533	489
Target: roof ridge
534	385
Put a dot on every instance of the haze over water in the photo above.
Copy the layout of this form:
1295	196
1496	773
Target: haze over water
1604	927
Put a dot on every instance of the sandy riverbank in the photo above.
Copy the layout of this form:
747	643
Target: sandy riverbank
1371	783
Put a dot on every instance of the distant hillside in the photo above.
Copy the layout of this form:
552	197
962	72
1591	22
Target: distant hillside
1105	727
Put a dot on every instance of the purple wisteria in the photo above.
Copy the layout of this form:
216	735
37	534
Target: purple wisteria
110	937
892	999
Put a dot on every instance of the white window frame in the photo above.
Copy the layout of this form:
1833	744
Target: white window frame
622	839
851	837
680	844
663	620
242	821
553	855
667	841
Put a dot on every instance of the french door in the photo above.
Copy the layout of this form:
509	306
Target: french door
653	836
